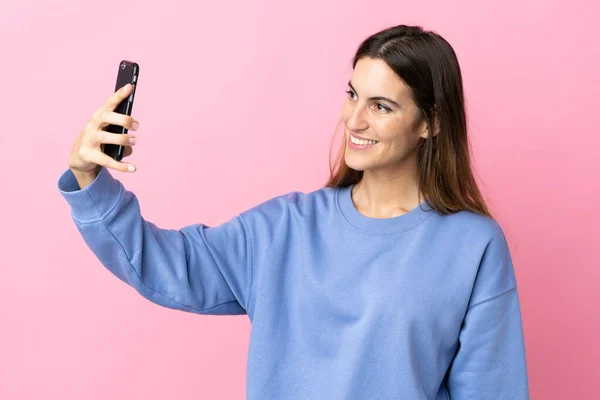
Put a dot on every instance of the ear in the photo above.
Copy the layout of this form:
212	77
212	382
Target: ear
425	125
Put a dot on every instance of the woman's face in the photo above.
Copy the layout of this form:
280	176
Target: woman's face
383	124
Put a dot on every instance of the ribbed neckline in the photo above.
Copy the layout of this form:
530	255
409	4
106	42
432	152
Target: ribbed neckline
361	222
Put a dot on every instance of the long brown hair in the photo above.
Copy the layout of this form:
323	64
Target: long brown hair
428	65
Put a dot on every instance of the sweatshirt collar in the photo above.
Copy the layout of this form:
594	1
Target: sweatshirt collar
361	222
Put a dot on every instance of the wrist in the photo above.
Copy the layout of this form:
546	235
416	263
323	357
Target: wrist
85	178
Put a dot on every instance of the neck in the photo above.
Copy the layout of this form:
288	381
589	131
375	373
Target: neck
387	194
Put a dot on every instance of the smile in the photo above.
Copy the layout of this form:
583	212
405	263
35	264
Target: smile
360	143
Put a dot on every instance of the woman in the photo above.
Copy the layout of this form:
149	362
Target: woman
391	282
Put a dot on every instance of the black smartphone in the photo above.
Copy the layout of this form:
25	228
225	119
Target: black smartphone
128	73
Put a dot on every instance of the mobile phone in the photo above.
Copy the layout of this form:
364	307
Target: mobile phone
128	73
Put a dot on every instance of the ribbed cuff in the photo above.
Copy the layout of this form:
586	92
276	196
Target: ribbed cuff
95	200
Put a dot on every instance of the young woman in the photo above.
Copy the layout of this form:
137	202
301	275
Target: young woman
390	282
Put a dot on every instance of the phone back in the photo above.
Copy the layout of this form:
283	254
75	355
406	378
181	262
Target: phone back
128	73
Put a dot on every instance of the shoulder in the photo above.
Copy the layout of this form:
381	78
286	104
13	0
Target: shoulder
295	201
290	209
484	240
471	226
313	198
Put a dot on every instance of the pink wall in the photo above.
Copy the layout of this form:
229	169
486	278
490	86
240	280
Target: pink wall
226	86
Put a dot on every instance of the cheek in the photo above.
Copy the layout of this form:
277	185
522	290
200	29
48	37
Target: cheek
390	131
396	138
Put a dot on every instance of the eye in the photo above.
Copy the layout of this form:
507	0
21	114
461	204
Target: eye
383	108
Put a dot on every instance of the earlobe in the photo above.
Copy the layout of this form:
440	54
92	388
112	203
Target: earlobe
425	130
436	127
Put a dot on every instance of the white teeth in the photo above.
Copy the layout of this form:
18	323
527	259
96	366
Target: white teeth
362	142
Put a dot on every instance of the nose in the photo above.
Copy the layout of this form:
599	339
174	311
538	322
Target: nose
356	119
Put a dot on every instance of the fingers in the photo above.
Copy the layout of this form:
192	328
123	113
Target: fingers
122	139
88	150
103	118
99	158
113	101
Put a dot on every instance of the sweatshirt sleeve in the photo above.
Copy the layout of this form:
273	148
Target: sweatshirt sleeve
197	268
490	362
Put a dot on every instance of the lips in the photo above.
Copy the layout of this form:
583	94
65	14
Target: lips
359	143
363	138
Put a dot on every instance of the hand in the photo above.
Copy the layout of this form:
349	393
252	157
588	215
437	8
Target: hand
87	153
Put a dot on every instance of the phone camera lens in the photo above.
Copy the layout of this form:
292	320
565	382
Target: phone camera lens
123	65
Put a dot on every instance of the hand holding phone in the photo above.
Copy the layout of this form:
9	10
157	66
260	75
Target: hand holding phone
96	146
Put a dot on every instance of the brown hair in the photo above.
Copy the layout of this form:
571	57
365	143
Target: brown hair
428	65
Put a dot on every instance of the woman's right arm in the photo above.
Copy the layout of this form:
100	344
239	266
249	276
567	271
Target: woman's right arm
198	268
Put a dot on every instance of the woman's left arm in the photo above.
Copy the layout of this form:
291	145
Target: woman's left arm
490	361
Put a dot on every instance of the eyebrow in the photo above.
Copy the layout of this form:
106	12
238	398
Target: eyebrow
377	97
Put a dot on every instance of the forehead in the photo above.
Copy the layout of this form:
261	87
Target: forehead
373	77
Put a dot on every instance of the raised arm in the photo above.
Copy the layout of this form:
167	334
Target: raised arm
197	268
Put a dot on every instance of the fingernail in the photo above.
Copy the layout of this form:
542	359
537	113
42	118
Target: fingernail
132	140
131	168
126	87
135	125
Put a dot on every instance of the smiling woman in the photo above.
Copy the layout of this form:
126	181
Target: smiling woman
358	290
405	122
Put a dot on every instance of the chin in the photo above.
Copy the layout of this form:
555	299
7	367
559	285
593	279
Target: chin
357	162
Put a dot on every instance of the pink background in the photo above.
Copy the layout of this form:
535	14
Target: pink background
228	88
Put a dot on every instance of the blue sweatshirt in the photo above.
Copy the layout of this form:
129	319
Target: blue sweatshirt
342	306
